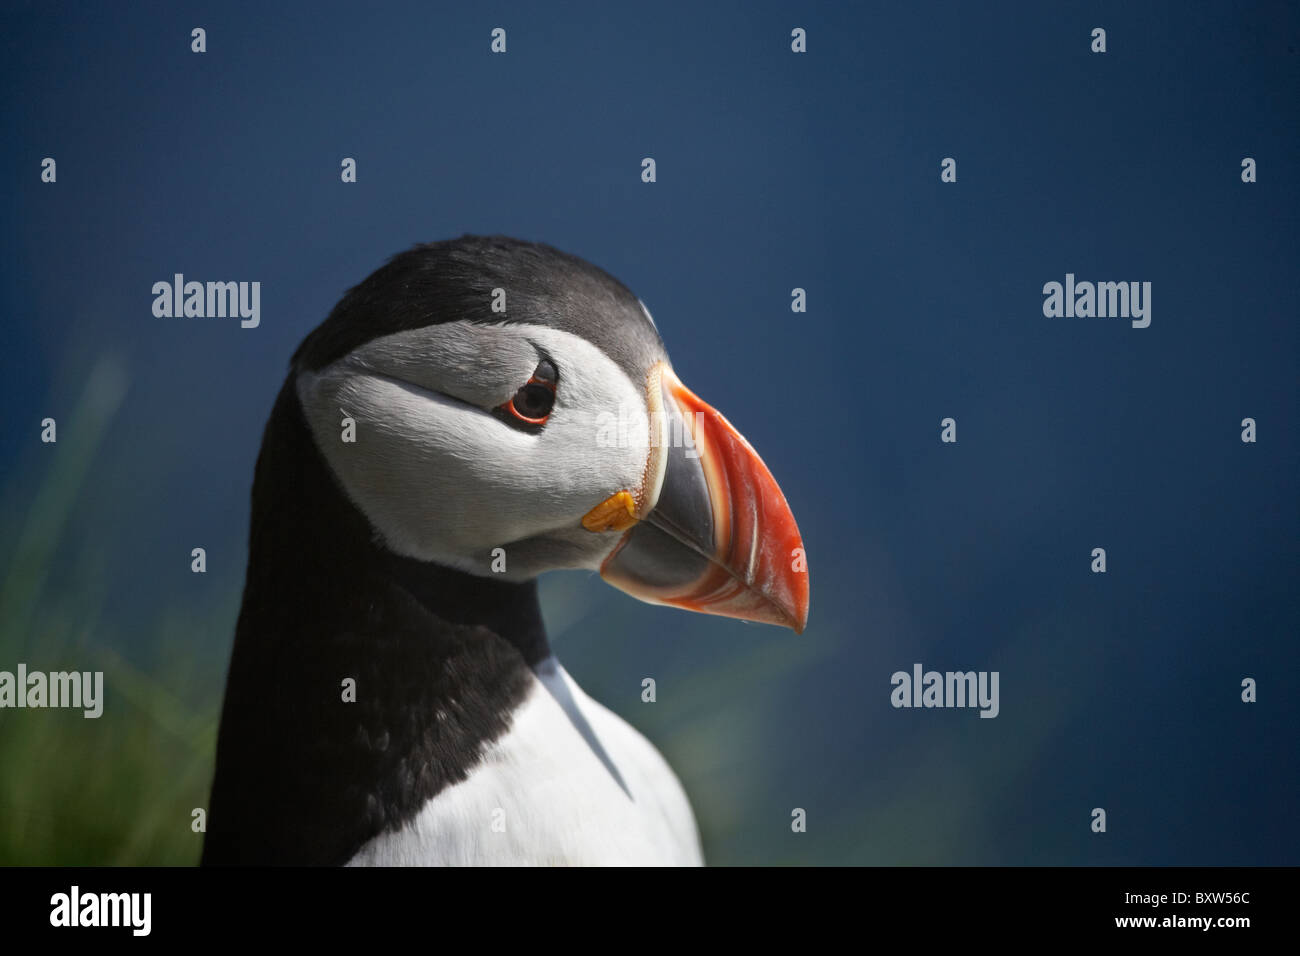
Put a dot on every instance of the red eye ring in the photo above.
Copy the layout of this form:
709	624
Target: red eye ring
539	396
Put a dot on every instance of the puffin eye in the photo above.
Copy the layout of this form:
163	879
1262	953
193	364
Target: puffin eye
533	402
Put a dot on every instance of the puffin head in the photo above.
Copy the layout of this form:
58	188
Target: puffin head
514	411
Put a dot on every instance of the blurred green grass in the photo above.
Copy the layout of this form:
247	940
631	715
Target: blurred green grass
118	789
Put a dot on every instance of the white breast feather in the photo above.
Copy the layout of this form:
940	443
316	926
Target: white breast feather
543	796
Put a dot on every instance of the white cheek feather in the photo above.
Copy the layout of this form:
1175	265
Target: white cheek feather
443	480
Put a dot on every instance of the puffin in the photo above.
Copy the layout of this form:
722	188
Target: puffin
475	413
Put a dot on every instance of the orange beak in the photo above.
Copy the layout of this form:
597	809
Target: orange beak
716	534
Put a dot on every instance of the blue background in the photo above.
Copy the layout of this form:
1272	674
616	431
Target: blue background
775	170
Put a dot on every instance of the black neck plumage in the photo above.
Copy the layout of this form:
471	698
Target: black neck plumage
508	609
361	683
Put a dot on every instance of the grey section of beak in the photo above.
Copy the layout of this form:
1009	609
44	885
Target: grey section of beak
674	544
